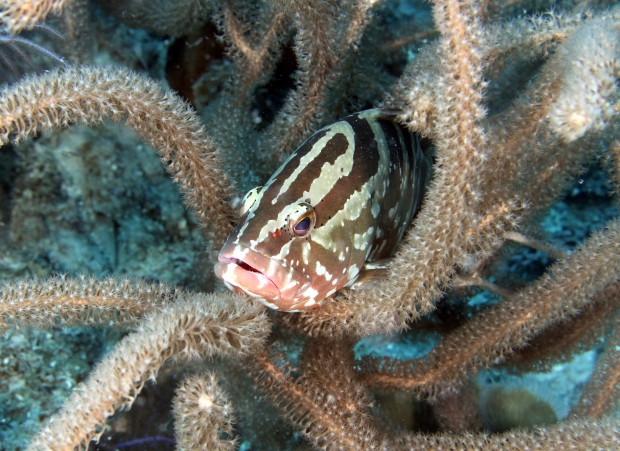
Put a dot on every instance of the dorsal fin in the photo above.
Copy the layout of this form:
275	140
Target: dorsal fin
388	114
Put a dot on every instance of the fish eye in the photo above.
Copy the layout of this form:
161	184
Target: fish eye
248	200
301	220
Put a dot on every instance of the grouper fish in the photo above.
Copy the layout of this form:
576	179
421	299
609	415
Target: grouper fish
330	216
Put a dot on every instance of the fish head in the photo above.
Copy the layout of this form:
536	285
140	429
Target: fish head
272	255
338	201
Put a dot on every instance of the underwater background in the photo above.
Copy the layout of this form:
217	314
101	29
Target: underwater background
95	201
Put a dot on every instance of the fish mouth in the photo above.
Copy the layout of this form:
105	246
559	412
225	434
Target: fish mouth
236	261
273	282
240	276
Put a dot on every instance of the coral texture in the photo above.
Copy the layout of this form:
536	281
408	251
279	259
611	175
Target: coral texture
515	109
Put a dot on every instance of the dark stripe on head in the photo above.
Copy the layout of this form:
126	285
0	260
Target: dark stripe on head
332	149
365	165
294	160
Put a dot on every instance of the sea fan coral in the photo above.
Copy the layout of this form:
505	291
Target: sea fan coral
524	135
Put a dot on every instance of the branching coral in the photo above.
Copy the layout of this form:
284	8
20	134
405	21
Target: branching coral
499	164
87	95
192	328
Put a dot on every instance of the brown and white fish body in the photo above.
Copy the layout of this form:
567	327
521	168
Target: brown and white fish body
335	209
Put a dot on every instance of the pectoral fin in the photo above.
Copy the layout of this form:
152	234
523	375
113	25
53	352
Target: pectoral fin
371	272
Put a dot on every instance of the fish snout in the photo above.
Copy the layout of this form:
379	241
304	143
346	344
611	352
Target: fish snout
267	279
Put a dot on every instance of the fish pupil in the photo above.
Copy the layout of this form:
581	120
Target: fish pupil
303	225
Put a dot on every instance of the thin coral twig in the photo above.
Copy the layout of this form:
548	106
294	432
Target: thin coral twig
18	15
